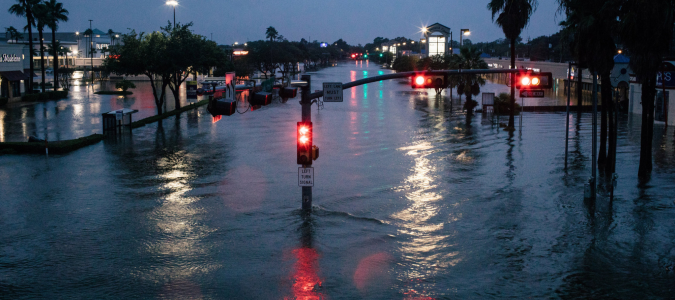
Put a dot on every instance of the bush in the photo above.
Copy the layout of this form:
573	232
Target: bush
124	85
43	96
52	95
503	105
30	97
3	100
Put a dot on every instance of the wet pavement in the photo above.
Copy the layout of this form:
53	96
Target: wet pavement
412	200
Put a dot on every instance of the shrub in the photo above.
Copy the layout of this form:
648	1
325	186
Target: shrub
124	85
43	96
3	100
503	104
30	97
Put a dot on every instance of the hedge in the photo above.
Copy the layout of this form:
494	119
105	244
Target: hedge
58	147
3	100
52	95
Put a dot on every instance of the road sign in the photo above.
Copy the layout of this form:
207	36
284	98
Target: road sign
532	93
332	92
305	176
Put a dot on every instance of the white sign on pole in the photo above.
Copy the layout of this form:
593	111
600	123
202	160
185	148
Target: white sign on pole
305	176
332	92
119	115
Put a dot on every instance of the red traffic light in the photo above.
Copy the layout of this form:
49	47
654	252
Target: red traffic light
353	55
304	143
429	81
527	81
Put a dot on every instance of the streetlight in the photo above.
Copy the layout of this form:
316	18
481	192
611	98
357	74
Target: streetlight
462	33
173	3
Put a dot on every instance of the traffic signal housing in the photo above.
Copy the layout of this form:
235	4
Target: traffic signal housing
305	143
530	80
421	81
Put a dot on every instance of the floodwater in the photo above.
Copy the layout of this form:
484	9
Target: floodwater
412	200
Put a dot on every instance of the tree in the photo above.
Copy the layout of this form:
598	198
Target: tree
111	34
24	8
55	14
646	30
271	33
187	53
41	15
513	16
13	34
469	58
141	54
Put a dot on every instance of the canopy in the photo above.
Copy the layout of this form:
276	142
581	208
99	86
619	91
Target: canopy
14	75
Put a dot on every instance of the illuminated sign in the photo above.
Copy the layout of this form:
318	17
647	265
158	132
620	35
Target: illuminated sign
239	53
9	58
324	45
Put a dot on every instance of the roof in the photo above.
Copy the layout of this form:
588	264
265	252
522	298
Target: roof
13	75
622	59
439	24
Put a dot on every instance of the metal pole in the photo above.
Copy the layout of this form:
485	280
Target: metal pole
91	48
306	117
567	119
595	134
174	16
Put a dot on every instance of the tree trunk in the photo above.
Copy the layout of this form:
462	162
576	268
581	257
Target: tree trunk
647	130
56	60
606	98
607	114
42	58
30	50
159	99
580	91
511	125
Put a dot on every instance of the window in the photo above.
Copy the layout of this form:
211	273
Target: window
436	45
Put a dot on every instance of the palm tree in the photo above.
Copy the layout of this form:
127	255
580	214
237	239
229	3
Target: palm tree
111	33
271	33
594	24
90	34
41	18
13	34
469	58
646	30
513	17
55	14
24	8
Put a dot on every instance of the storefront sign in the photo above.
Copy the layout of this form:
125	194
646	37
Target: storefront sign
669	77
9	58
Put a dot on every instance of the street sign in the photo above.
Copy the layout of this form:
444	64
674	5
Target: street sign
305	176
532	93
332	92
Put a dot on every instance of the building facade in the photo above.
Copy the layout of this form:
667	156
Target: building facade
436	39
13	71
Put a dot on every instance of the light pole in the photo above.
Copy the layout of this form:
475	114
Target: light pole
91	51
462	33
173	3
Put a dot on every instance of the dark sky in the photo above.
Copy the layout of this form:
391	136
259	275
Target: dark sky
324	20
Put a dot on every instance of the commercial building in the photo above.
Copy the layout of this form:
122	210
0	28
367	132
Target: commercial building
14	70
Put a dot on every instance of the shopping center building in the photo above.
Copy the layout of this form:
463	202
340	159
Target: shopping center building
14	70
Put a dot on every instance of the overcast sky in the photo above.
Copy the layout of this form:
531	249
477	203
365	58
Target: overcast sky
355	21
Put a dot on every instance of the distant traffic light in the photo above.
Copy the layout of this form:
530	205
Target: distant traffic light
353	55
380	54
305	143
365	56
526	81
429	81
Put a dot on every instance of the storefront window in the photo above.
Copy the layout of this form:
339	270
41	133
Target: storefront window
436	45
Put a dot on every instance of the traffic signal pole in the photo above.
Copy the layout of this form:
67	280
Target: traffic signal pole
306	103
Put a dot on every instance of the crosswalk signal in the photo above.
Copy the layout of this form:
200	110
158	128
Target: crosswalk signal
527	81
305	143
420	81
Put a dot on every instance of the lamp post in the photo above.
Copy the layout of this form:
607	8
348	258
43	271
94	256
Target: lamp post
91	51
173	3
462	33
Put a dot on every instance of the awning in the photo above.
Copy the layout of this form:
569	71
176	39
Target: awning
14	75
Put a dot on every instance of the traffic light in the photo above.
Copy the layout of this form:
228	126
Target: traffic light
365	56
380	54
420	81
353	55
305	143
527	81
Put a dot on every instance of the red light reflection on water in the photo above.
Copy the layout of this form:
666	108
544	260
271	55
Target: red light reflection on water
305	275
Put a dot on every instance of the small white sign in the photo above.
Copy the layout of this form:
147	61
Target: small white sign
332	92
119	115
305	176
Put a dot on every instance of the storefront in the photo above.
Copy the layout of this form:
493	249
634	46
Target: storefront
664	107
12	76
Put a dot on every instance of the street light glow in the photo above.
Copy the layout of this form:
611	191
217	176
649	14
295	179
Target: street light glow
467	32
172	3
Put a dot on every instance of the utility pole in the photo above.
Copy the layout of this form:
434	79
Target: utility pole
567	119
91	51
595	134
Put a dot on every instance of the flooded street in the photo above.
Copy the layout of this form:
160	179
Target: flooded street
412	200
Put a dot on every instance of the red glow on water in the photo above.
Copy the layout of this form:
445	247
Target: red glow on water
372	271
305	275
